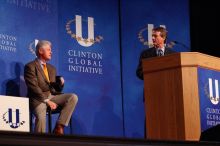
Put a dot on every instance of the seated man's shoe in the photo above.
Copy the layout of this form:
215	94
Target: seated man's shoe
59	129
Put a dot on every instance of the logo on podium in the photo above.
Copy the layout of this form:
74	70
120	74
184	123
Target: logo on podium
209	91
13	118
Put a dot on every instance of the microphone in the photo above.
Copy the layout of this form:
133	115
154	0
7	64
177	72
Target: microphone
179	43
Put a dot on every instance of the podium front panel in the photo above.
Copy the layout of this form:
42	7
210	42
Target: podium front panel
209	98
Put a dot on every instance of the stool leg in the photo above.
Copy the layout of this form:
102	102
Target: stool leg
49	121
31	122
71	128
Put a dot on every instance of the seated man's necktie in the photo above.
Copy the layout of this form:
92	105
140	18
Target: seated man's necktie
46	72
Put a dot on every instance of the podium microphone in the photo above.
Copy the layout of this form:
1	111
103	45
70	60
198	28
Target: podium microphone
182	44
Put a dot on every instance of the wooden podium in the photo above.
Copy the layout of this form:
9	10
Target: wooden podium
171	95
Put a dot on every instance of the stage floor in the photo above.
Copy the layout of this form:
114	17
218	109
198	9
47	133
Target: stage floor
30	139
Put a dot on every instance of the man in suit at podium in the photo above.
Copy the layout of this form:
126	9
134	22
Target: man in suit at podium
159	36
43	90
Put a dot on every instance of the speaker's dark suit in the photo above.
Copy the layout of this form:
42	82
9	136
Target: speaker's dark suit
151	52
148	53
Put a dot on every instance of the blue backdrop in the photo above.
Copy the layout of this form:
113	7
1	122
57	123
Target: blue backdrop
20	25
99	111
100	72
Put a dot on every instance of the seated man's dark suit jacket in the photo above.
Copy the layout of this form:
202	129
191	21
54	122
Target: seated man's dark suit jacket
38	87
151	52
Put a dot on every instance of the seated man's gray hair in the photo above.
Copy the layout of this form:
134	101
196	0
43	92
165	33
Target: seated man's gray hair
40	44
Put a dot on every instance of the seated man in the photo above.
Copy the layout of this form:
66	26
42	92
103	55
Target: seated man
43	90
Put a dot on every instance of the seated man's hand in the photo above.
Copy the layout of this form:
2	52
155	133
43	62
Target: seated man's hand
52	105
62	80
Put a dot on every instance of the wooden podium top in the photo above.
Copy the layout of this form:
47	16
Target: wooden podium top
184	59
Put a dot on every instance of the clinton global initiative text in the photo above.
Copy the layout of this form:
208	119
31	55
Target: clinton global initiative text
85	62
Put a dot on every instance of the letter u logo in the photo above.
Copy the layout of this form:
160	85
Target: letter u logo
82	41
214	100
14	123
